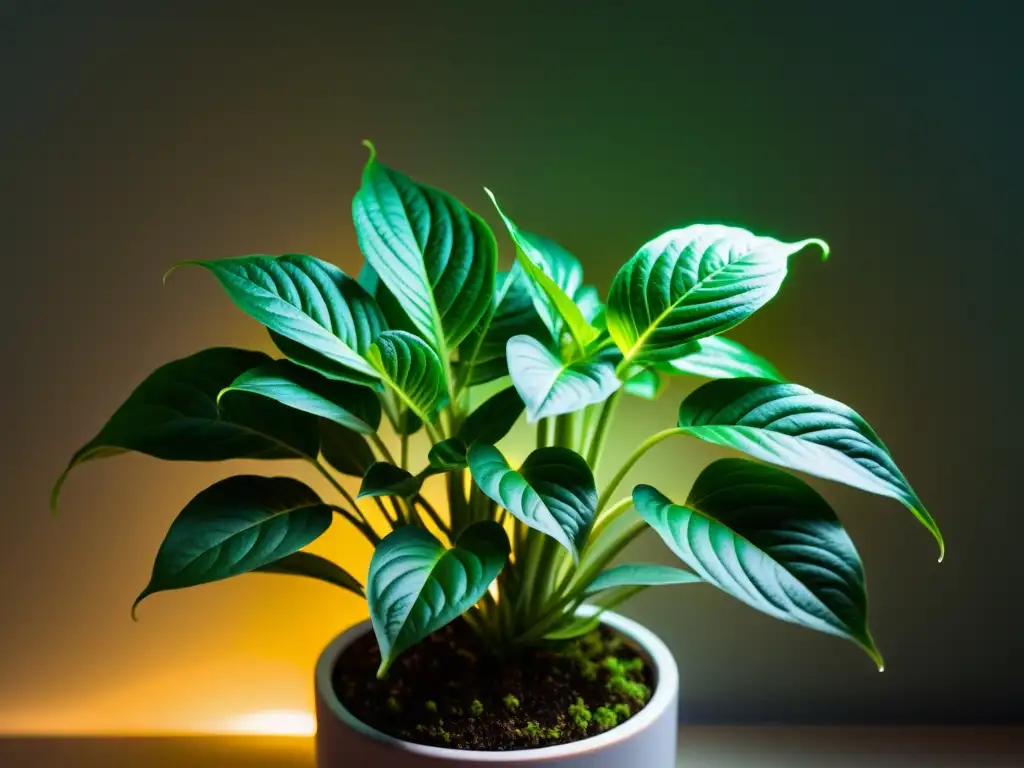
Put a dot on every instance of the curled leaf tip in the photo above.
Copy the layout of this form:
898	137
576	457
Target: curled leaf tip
373	150
177	264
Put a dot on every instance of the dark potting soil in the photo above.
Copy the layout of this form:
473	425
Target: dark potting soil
450	691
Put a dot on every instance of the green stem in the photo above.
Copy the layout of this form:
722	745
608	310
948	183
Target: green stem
366	530
542	433
383	448
429	509
643	448
404	453
393	522
601	431
340	489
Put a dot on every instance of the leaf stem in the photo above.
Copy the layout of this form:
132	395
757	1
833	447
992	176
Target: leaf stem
601	431
432	513
383	448
643	448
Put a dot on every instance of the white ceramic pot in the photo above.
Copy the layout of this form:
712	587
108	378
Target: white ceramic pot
646	740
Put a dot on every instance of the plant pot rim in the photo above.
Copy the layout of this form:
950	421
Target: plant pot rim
666	688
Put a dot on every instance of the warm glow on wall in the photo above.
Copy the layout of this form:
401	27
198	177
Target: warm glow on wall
273	722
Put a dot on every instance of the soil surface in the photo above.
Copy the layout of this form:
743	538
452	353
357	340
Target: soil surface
450	691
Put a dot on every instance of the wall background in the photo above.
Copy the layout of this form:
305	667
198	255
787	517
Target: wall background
130	139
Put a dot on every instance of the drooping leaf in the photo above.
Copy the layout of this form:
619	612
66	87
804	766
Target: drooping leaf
550	387
493	419
639	575
770	540
384	479
482	354
174	415
349	405
235	526
719	358
413	371
691	283
436	256
416	586
313	567
344	449
447	455
330	318
555	277
645	384
792	426
553	491
408	423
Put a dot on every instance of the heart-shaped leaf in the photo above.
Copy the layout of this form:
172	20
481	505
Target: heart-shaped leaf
313	567
304	390
690	283
791	426
174	415
437	257
235	526
553	491
493	419
413	371
344	449
550	387
384	479
770	540
330	318
645	384
416	586
719	358
639	575
555	277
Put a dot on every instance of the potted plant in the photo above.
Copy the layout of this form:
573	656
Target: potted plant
491	637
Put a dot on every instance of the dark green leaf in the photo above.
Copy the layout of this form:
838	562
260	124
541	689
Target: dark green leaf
345	450
174	415
346	404
639	575
791	426
448	455
384	479
408	423
235	526
691	283
313	567
413	371
719	358
416	586
553	491
494	419
770	540
550	387
330	318
437	257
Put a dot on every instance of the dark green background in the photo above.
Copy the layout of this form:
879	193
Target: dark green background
136	137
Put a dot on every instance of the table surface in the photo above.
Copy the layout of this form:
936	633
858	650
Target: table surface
699	747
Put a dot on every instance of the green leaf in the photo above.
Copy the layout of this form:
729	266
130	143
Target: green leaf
413	371
408	423
235	526
550	387
384	479
690	283
313	567
646	384
330	318
344	449
416	586
437	257
719	358
304	390
639	575
556	277
769	540
553	491
790	425
575	626
494	419
447	455
589	301
174	415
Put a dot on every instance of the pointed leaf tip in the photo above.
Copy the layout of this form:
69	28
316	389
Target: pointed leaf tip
373	150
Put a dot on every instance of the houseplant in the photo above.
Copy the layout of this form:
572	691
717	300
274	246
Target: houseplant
522	554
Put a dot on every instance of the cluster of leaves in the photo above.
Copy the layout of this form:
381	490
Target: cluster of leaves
419	340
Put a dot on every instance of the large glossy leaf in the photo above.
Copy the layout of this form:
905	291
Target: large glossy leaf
331	319
550	387
313	567
416	586
413	371
770	540
556	276
553	491
482	354
719	358
174	415
792	426
640	575
493	419
344	449
235	526
691	283
384	479
349	405
437	257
